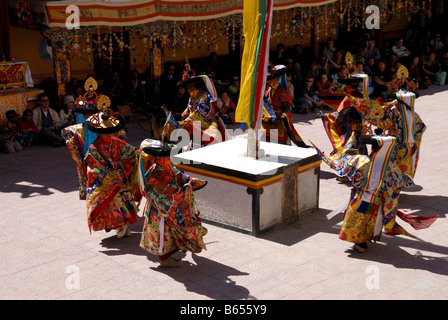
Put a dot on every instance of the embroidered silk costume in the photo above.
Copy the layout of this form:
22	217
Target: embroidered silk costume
378	179
111	167
78	141
111	182
276	119
202	108
78	137
172	220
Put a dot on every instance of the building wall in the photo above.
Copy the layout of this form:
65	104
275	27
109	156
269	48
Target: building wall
25	47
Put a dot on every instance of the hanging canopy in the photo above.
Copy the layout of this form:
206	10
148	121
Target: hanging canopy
135	12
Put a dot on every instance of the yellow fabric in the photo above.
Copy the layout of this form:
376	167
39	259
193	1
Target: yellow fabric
250	31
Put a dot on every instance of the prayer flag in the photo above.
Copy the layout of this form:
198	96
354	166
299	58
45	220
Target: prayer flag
257	20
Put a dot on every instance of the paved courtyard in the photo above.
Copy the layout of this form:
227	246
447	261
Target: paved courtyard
47	251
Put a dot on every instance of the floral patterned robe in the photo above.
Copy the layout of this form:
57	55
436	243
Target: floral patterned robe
112	184
171	218
202	108
77	145
282	104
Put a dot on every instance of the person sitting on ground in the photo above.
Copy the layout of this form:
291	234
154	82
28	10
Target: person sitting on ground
324	85
113	87
431	67
66	114
370	67
10	136
48	122
343	73
308	100
400	50
234	89
329	50
335	64
381	79
416	73
313	70
291	89
371	51
28	128
444	64
180	101
228	109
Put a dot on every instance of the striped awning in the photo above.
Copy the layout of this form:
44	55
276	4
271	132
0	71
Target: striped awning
129	13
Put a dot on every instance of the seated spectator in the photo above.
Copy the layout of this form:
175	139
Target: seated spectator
180	101
168	86
329	50
400	50
371	51
323	66
392	63
437	44
431	67
360	68
416	73
227	112
370	67
278	57
215	67
444	64
9	135
336	63
425	53
48	122
66	114
291	88
114	89
313	70
136	87
28	128
324	85
307	99
234	89
294	71
79	91
381	79
343	73
299	57
71	86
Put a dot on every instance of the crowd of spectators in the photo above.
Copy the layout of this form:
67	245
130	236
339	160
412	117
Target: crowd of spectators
422	52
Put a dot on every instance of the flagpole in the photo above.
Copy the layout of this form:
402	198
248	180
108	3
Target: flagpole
257	20
256	145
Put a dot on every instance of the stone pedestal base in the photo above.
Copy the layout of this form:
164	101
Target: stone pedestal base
250	195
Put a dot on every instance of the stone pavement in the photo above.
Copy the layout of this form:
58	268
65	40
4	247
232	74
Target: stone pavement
46	245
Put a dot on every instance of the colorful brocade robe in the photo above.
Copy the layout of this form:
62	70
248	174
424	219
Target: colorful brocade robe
365	217
400	123
171	218
112	184
369	212
202	109
282	129
77	143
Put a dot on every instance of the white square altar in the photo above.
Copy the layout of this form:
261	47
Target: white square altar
250	195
